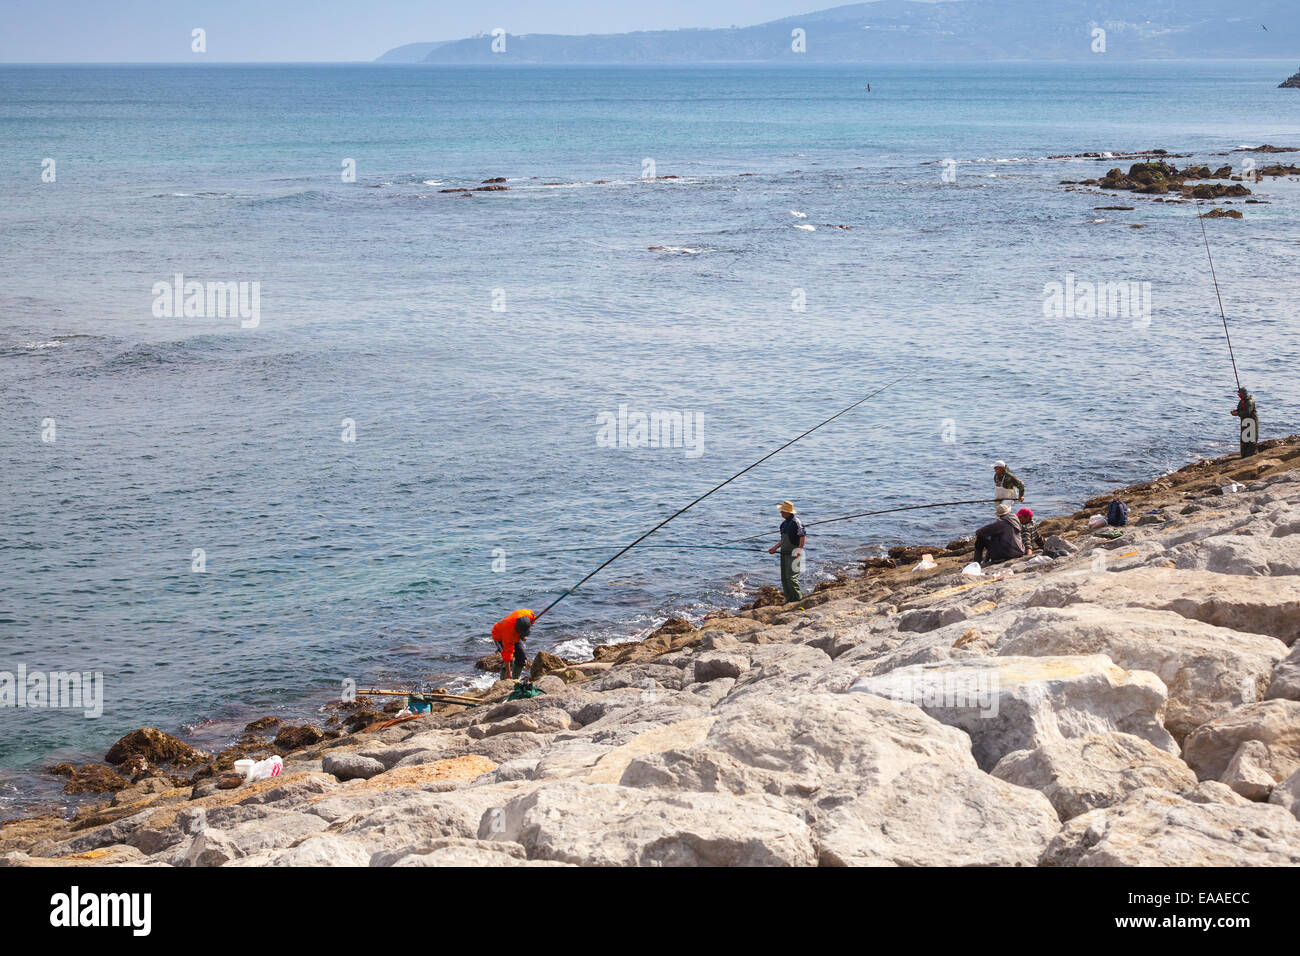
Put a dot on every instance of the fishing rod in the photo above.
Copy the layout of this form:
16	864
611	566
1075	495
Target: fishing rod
885	511
709	492
1220	298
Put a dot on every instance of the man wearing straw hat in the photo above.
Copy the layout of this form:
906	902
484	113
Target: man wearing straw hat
791	545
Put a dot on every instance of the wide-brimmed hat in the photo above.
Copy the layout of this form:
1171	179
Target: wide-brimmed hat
999	464
787	507
1003	509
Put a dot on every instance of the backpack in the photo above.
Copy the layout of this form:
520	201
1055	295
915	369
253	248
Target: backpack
525	689
1117	513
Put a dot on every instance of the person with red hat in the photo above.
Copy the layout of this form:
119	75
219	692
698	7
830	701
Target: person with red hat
1029	533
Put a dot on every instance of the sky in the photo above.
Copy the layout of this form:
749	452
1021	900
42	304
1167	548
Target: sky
148	31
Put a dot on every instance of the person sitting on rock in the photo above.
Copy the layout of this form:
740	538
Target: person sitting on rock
1006	485
509	633
1001	540
1029	532
1249	416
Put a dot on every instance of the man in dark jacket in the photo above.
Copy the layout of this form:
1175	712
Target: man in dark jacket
1245	411
791	547
1001	540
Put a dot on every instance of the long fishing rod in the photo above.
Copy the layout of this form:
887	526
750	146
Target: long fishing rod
1220	298
709	492
885	511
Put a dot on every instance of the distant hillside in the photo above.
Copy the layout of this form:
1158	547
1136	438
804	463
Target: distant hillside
411	52
950	30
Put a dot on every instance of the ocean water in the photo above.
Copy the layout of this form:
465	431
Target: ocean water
477	344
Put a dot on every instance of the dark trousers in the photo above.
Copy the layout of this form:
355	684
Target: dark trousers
790	577
1249	448
517	663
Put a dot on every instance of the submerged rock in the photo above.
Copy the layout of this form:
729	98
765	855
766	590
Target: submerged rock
295	738
157	748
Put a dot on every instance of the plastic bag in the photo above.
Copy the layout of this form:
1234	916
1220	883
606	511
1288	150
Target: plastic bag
1096	521
264	769
972	570
927	563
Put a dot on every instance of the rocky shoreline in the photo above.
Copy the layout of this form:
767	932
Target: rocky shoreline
1136	702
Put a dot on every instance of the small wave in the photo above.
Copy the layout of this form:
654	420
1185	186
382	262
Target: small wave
302	197
477	682
431	182
199	195
679	250
36	346
806	228
797	214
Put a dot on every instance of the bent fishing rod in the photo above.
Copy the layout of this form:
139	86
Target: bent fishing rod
1222	314
715	488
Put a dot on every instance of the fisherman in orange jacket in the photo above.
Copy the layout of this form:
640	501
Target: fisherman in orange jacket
509	633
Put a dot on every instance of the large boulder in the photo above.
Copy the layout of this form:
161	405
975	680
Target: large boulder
1211	749
820	748
1232	601
937	815
1208	670
463	853
880	782
1285	684
1155	828
1287	794
351	766
1242	554
325	849
215	846
608	825
1078	774
1019	703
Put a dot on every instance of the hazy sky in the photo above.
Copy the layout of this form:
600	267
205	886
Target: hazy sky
282	30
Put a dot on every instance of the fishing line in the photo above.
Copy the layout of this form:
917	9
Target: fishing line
674	547
1201	219
709	492
886	511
